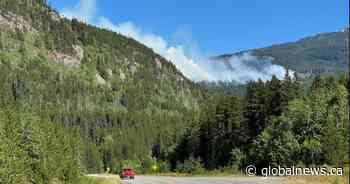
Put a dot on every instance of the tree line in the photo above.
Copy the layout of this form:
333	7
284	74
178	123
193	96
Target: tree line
276	123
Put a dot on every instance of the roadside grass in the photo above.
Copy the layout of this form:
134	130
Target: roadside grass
102	179
214	173
316	180
320	179
225	172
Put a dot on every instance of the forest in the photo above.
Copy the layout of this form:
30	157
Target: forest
125	106
276	123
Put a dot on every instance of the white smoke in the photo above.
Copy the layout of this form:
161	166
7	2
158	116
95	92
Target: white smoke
84	11
175	54
245	68
240	68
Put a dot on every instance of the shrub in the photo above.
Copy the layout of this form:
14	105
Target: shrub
148	163
164	166
190	166
237	159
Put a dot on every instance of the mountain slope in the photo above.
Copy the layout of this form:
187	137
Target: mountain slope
320	54
123	98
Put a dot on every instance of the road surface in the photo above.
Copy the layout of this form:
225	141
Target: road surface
203	180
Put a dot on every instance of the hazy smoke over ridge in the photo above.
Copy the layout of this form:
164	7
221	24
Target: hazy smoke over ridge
244	68
239	68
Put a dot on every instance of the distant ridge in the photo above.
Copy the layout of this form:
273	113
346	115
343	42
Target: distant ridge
323	53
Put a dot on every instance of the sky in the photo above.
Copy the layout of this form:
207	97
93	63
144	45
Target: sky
188	32
226	26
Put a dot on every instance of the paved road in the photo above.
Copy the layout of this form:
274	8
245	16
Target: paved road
203	180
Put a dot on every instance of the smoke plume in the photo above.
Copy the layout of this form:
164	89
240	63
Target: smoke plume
244	68
193	65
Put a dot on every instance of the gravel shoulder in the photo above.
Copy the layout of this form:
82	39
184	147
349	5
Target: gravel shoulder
204	180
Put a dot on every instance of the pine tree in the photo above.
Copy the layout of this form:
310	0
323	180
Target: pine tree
255	111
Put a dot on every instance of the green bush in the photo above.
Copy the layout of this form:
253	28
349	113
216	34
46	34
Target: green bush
237	159
164	166
147	164
190	166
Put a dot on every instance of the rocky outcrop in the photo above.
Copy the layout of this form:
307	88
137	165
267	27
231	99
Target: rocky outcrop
15	22
68	60
100	80
158	63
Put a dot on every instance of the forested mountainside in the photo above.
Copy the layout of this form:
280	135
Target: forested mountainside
324	53
122	98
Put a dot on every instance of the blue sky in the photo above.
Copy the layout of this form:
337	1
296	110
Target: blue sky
227	25
187	32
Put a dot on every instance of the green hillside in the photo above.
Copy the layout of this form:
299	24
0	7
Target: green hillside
321	54
124	98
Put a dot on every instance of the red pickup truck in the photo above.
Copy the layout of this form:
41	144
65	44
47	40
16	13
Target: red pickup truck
127	174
